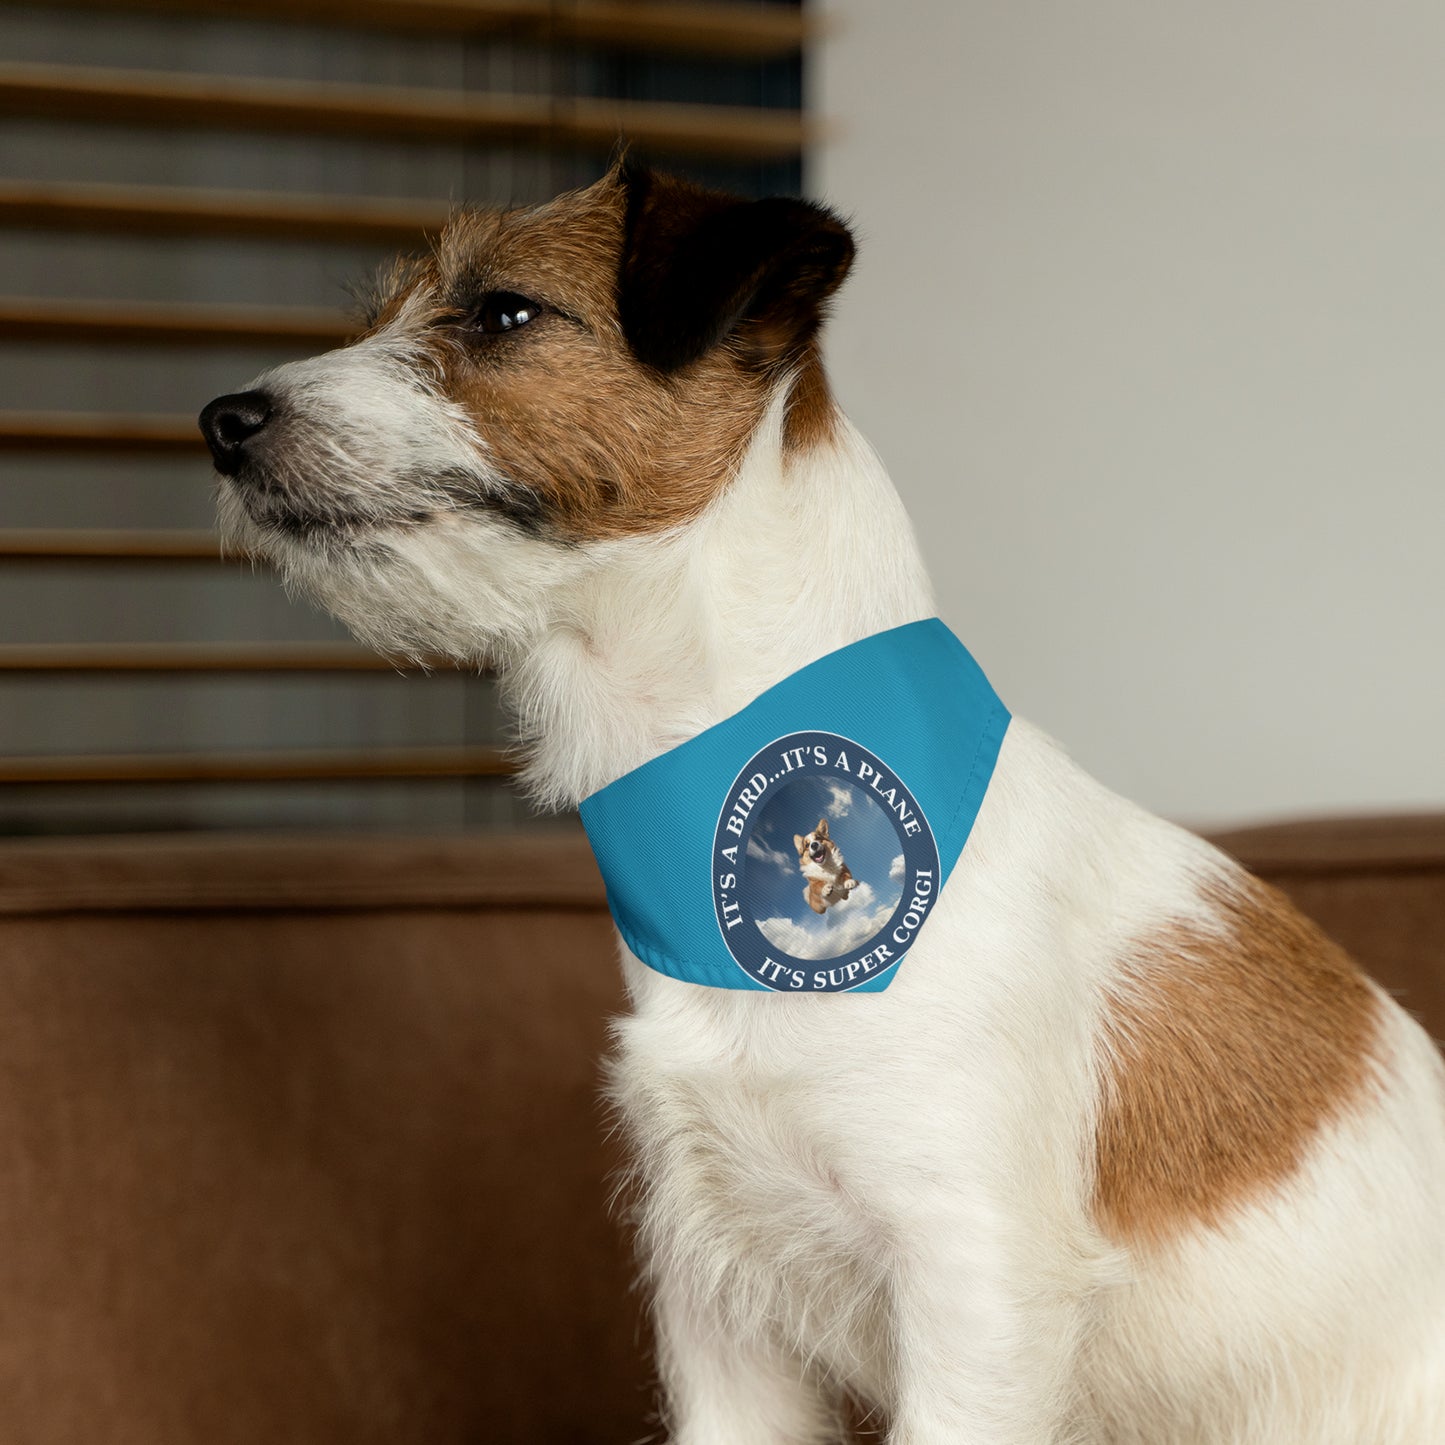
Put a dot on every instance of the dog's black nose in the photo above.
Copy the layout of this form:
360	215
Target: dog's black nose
229	422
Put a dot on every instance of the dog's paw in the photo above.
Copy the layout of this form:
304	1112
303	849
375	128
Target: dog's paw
850	885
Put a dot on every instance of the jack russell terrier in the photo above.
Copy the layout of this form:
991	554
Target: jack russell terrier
1128	1153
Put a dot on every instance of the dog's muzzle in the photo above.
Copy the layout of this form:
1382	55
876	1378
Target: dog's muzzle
230	422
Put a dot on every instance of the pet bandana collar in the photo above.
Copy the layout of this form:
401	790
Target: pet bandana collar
800	845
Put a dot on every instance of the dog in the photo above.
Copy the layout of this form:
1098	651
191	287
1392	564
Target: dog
830	881
1128	1154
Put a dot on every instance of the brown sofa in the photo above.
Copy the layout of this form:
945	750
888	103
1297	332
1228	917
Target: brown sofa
301	1138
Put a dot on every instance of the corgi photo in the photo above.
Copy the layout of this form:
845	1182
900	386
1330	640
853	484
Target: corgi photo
1127	1152
821	861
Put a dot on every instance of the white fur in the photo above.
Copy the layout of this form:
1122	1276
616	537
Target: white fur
890	1194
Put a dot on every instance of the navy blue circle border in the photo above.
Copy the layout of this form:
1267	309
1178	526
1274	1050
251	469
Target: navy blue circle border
763	963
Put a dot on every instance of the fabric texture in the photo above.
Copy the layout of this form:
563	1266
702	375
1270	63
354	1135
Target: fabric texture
899	732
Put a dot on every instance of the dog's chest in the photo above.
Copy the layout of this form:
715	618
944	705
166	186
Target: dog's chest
822	870
744	1186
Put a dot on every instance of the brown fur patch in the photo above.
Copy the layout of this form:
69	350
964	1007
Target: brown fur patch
603	445
812	413
1226	1053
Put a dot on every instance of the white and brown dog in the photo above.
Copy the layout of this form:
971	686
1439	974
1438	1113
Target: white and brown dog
1128	1153
820	859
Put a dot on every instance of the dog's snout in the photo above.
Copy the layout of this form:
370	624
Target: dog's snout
229	422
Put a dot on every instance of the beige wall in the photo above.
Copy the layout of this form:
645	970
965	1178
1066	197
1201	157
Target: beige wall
1149	323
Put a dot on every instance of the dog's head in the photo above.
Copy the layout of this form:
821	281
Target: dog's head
546	383
815	846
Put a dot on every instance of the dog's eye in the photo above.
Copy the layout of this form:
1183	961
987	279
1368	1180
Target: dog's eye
504	311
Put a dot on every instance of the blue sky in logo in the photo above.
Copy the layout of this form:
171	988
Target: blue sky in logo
866	834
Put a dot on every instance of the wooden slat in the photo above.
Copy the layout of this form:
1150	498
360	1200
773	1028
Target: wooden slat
79	431
259	767
198	657
75	544
711	29
171	323
751	32
177	211
219	102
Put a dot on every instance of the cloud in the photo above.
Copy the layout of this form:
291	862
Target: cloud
896	869
841	801
844	927
760	850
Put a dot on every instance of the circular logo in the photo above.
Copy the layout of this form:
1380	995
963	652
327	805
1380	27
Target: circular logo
824	866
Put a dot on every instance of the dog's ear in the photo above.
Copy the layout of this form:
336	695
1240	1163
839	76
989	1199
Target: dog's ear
798	841
822	828
700	266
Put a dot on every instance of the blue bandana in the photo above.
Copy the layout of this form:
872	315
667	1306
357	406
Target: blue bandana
801	844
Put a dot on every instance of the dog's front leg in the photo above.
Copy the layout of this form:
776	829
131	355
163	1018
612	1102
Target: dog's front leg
984	1355
723	1388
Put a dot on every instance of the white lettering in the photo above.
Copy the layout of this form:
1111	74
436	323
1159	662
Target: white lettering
752	790
912	921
